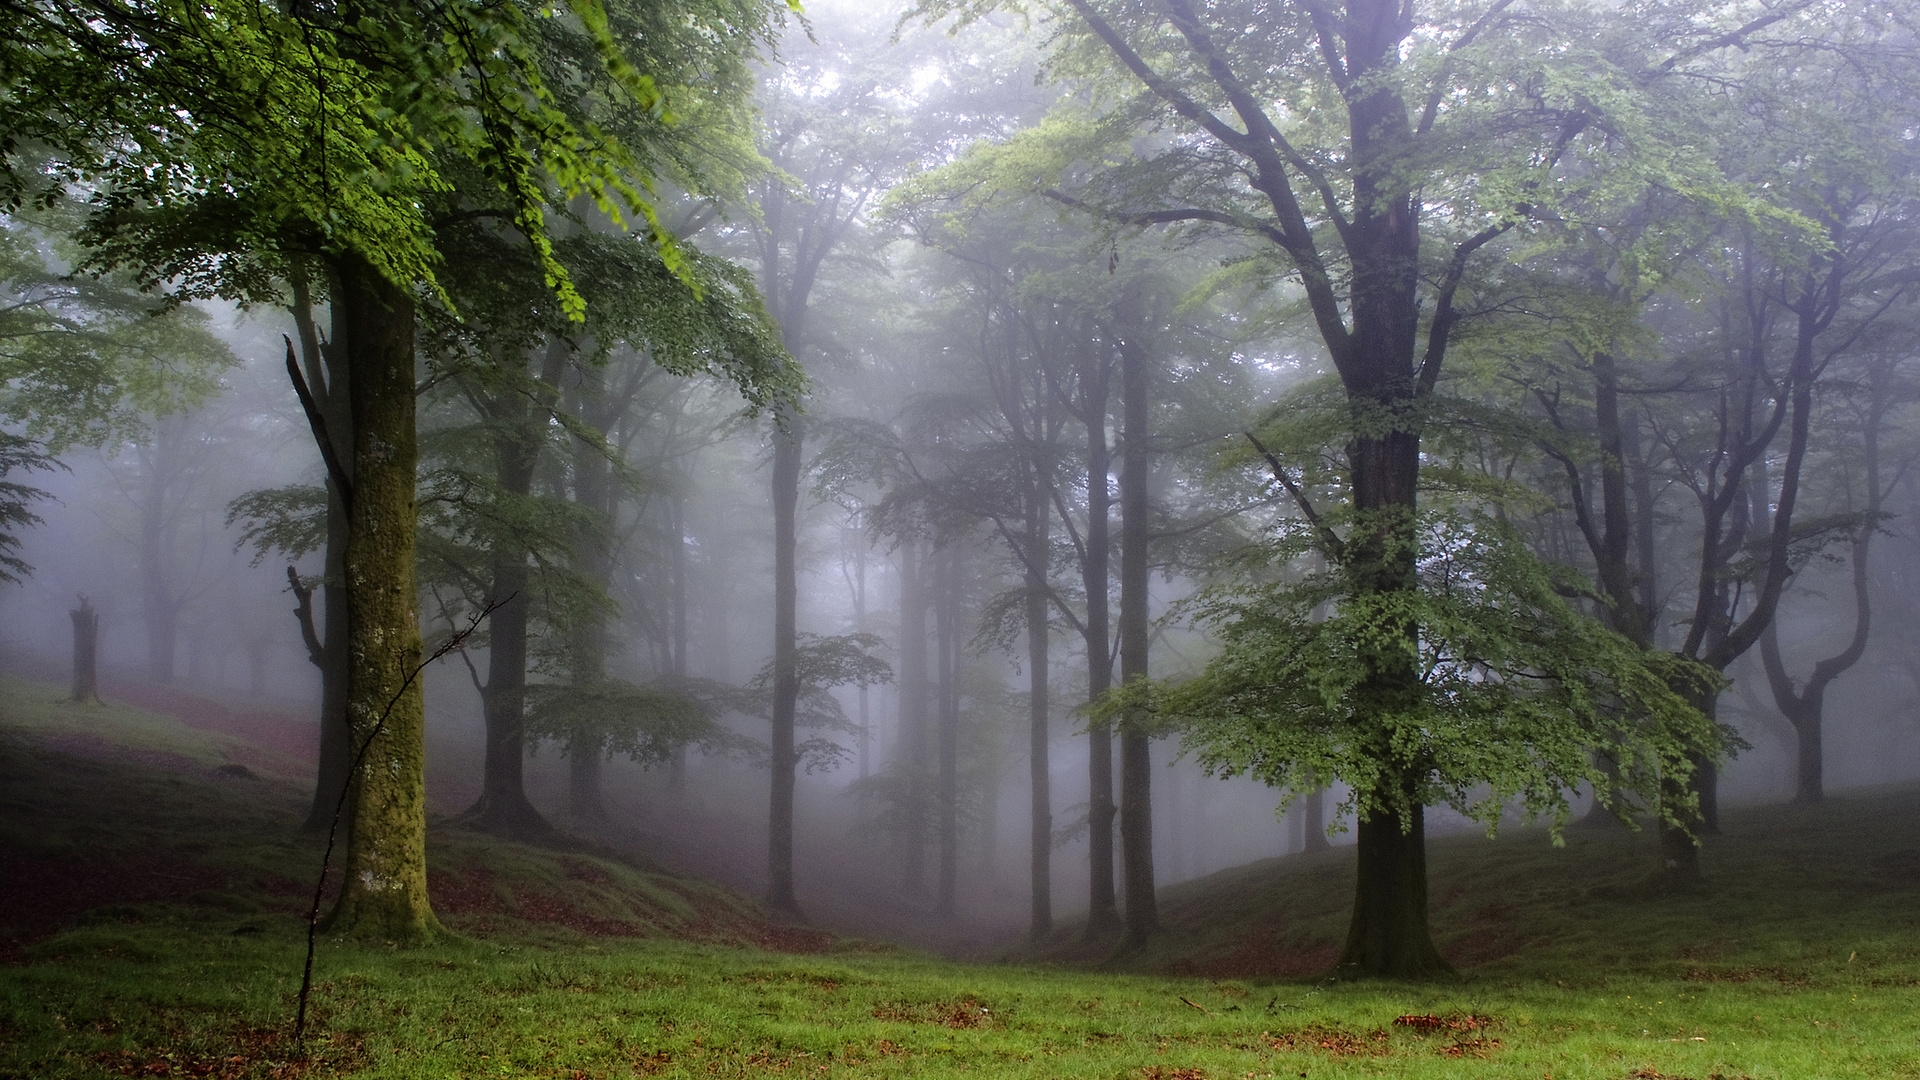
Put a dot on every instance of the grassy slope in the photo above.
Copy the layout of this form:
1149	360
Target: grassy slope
1804	961
1792	892
105	804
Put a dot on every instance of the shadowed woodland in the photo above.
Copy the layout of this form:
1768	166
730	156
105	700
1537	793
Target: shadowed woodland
1399	508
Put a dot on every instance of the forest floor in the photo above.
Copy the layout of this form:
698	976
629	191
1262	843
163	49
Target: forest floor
152	884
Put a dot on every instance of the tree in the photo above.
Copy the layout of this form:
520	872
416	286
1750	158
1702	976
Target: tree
832	136
1369	157
343	134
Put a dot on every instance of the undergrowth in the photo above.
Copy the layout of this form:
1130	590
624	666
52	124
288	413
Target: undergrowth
1800	959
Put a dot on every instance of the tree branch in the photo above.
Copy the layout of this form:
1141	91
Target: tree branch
1336	548
316	652
319	425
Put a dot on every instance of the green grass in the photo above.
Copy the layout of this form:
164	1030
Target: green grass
1801	960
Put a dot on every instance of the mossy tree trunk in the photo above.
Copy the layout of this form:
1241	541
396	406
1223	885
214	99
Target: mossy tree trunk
384	896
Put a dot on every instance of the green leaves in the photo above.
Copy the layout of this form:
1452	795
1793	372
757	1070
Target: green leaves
350	128
1509	695
645	723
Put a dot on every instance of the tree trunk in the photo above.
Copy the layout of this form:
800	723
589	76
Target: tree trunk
328	378
947	786
913	716
1389	935
158	611
1040	845
1314	823
1136	756
586	760
786	679
1103	917
385	891
503	808
86	652
1806	709
677	564
520	436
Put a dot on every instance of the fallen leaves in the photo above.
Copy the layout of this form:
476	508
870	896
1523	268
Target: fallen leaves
243	1054
966	1012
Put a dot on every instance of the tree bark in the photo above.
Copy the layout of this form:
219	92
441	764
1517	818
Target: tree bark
1388	934
786	679
327	378
503	807
1142	912
1805	708
385	891
947	784
86	652
1040	842
1314	823
677	565
1103	916
159	610
913	716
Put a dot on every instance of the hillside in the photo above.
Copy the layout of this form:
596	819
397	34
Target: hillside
1789	889
154	885
103	807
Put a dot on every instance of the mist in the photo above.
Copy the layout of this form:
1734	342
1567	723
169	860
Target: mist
950	488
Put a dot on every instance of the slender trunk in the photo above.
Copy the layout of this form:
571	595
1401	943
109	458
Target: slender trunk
586	761
913	717
1810	770
1103	917
1807	708
947	788
157	608
677	563
1040	846
860	626
1136	756
385	891
86	652
595	491
503	807
786	679
328	378
1314	822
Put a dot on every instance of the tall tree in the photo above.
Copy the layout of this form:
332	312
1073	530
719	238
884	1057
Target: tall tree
343	133
1433	136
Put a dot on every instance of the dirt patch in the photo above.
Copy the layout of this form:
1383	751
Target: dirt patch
1263	955
46	893
284	733
95	748
1332	1041
246	1054
1452	1022
473	893
1783	976
1492	940
966	1012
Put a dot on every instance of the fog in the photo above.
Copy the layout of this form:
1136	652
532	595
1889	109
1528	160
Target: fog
962	353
